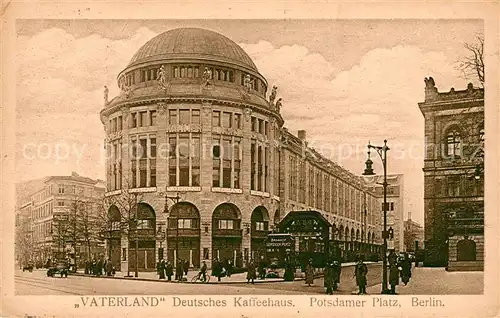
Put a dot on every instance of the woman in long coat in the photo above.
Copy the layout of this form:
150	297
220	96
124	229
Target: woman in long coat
251	275
360	272
309	273
160	268
393	277
406	269
169	270
330	279
217	269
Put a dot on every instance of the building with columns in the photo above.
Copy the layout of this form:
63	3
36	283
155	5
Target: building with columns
193	119
454	177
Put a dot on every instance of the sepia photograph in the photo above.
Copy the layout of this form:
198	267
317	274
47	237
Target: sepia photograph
342	160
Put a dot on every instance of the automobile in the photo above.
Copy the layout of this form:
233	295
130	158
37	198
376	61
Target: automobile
28	267
60	268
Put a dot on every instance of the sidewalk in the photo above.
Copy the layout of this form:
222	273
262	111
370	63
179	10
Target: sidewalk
234	279
437	281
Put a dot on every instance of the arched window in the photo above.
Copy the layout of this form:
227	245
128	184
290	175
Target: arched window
453	143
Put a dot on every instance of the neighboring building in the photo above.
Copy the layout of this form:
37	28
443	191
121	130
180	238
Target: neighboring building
41	219
196	105
453	177
413	236
395	205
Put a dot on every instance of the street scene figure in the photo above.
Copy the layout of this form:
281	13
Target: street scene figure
203	271
251	274
262	268
161	268
360	272
289	270
109	268
179	270
337	270
330	277
185	265
229	267
405	266
309	273
217	269
394	271
169	270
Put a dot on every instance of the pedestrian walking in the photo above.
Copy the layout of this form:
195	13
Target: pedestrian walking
109	268
229	268
186	267
169	270
160	268
178	271
405	269
360	271
217	269
329	277
262	268
337	269
289	275
309	273
251	275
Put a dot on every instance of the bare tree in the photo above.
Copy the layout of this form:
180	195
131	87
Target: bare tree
472	65
127	203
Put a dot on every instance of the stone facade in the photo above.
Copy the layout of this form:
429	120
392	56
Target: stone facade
209	135
453	176
41	205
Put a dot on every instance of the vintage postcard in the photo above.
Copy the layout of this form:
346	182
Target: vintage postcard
249	159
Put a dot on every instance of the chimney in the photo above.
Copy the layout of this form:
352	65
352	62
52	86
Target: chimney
302	135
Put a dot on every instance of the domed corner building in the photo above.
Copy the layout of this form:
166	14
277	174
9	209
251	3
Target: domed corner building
192	120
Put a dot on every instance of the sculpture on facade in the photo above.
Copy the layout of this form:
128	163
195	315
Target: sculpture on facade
207	77
162	78
247	83
279	104
429	82
272	96
106	93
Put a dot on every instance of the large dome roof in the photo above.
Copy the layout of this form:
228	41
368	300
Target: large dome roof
183	42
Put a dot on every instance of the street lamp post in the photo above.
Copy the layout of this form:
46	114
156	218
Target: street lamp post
176	200
382	152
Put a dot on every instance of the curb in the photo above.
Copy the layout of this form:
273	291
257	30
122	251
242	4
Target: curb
280	280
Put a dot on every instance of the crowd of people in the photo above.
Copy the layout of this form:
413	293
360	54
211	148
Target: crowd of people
99	267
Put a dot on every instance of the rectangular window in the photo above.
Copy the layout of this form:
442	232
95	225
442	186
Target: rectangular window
120	123
259	226
152	147
392	206
216	119
183	149
152	173
133	120
226	163
184	223
226	120
252	165
226	224
184	117
195	117
237	121
216	153
259	168
453	186
61	188
195	160
143	173
172	148
261	126
152	121
143	150
60	203
172	117
266	128
134	173
237	162
143	119
254	124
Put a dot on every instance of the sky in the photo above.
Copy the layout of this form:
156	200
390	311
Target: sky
345	82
